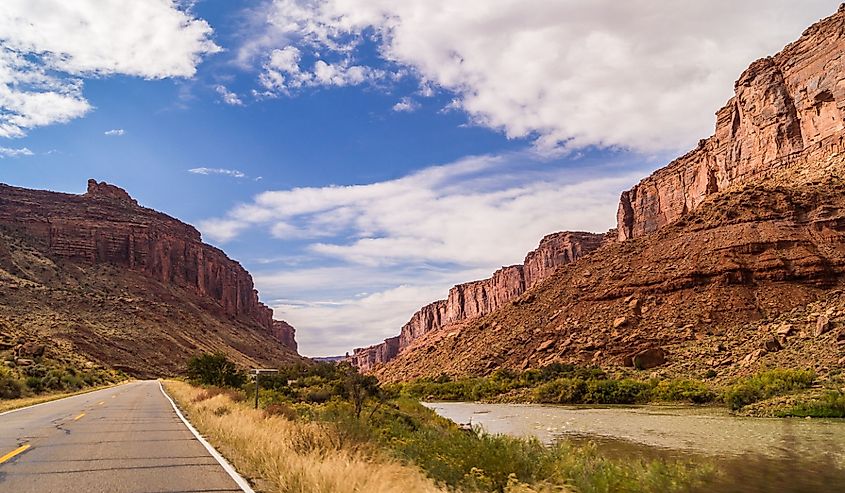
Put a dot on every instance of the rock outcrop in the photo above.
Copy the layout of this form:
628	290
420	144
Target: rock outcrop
722	255
788	110
107	227
285	333
478	298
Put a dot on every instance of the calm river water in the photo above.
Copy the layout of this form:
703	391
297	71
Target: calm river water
759	454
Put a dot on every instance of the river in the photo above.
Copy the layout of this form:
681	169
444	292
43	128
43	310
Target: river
760	454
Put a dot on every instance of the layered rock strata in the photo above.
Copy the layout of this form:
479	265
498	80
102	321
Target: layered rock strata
478	298
107	226
724	258
787	110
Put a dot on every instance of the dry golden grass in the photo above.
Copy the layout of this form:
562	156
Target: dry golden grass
293	456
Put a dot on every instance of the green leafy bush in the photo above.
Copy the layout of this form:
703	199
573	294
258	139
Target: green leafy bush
765	385
561	391
10	387
215	369
831	405
625	391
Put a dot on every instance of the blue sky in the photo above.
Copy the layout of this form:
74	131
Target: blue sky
359	157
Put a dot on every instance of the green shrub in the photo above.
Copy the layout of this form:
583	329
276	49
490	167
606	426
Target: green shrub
831	405
765	385
10	388
215	369
561	391
625	391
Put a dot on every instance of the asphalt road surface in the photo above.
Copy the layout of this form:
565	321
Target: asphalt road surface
123	439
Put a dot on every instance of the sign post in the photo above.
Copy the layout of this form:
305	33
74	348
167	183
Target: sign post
257	372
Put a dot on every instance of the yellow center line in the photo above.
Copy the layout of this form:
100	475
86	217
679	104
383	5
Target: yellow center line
13	453
79	417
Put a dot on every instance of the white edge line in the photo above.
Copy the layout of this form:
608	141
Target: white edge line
90	392
244	485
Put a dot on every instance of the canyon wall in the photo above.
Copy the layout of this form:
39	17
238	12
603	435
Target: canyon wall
105	225
475	299
787	108
285	334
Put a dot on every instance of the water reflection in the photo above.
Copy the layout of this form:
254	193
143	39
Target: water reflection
749	455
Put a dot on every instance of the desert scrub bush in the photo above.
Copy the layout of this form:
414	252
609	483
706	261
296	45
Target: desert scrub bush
215	369
830	405
765	385
561	391
686	390
10	387
624	391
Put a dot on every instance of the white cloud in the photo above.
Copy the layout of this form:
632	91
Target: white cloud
115	132
406	105
10	152
283	72
234	173
228	96
422	233
48	46
641	74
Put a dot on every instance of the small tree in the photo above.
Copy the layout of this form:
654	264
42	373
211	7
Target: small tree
356	387
215	369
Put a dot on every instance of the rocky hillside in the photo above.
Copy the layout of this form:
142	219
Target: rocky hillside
728	259
475	299
124	286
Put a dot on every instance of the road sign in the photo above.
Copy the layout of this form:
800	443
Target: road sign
257	372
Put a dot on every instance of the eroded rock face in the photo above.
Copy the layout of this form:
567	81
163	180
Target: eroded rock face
365	359
284	333
787	109
478	298
105	225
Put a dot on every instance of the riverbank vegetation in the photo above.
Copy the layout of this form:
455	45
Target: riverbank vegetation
326	428
566	384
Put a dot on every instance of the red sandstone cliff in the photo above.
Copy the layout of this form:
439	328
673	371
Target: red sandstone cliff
107	226
285	334
787	108
735	258
474	299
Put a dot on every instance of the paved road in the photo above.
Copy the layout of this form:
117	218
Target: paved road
123	439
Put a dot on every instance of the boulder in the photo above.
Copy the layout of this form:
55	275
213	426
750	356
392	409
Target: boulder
772	345
546	345
649	358
620	322
30	349
822	325
785	330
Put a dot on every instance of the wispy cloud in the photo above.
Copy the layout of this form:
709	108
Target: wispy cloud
115	132
228	96
10	152
406	105
369	255
234	173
